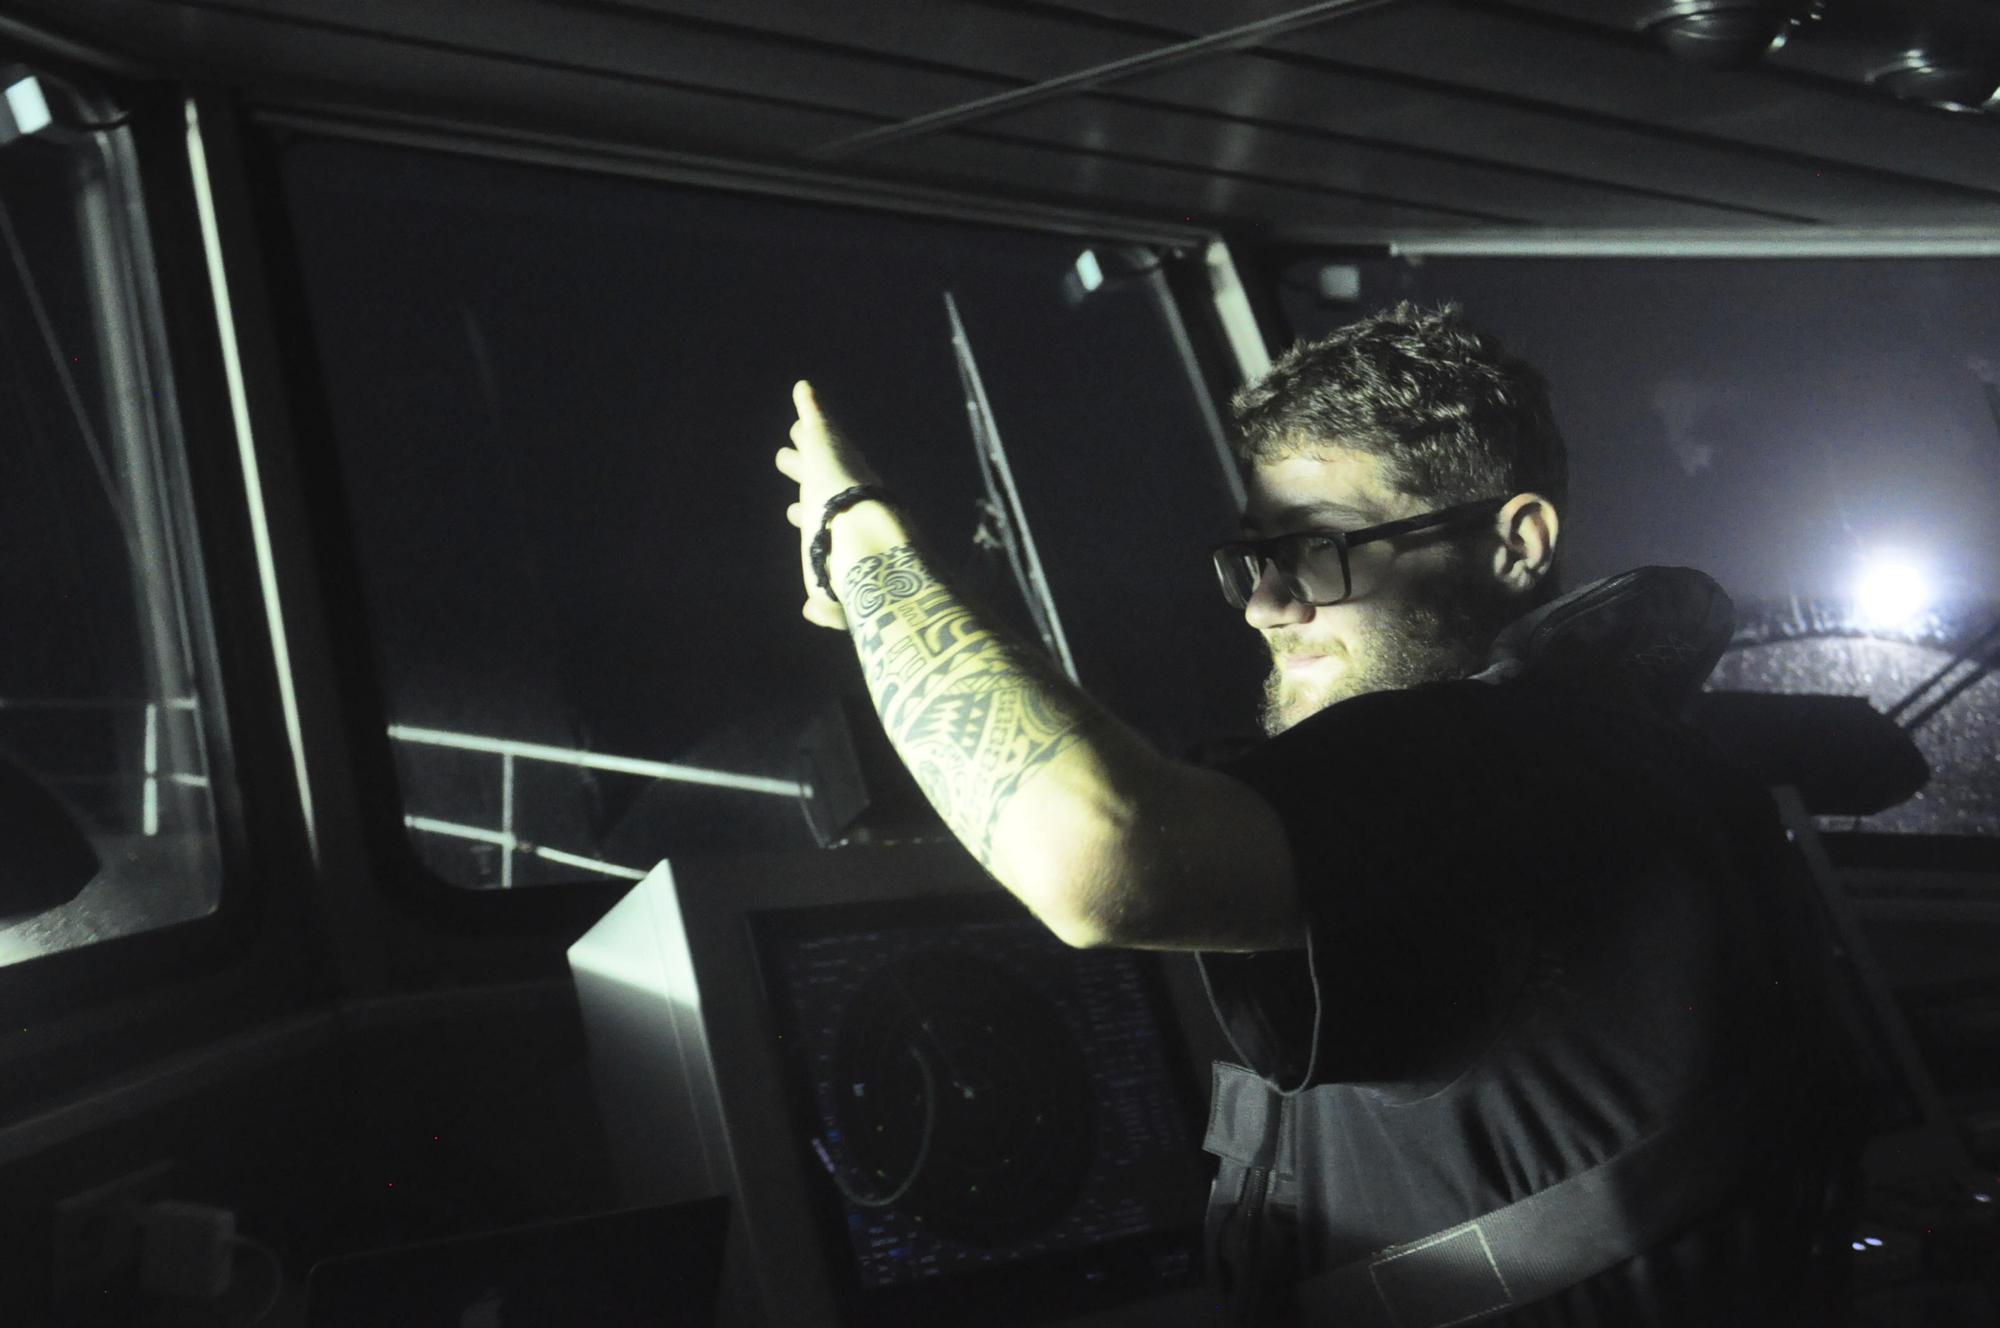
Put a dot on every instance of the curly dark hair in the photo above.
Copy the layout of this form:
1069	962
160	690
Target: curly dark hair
1456	417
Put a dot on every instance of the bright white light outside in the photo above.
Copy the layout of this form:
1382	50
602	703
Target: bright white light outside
1893	590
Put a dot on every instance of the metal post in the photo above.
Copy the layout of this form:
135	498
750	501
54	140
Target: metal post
150	812
507	820
253	481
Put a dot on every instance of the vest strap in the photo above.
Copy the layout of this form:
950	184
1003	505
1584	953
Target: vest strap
1552	1239
1246	1120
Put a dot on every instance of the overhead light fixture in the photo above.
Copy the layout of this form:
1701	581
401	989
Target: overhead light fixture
1725	34
1104	267
24	106
1083	278
1964	82
1089	272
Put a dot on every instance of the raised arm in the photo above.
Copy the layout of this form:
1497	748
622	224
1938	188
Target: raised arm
1105	839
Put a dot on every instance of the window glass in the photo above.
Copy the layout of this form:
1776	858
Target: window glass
554	398
1822	437
107	827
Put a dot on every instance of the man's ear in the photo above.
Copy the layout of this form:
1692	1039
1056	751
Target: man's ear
1529	527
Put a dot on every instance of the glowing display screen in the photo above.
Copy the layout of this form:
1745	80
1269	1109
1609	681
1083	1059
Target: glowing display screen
978	1098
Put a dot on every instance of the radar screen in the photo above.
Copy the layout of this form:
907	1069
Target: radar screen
987	1114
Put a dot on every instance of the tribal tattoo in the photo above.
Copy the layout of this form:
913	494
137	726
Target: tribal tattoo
973	716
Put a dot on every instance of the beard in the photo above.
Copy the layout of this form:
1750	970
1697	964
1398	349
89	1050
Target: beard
1447	637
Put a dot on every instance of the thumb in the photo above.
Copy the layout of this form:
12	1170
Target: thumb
806	401
824	613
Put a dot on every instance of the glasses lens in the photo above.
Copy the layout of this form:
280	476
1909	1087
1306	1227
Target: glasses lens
1237	569
1310	569
1315	572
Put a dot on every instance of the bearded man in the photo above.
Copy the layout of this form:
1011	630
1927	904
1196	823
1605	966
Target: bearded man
1528	1025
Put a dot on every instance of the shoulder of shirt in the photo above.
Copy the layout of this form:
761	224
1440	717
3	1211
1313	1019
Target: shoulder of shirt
1445	699
1396	717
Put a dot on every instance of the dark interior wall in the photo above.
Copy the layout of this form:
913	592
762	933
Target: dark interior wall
373	1124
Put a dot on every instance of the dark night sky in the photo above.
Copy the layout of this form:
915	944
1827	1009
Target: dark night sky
555	399
66	587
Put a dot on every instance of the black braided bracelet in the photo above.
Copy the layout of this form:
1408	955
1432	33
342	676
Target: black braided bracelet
822	544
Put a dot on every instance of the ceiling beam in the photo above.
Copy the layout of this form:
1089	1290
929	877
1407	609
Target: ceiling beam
1775	242
1229	39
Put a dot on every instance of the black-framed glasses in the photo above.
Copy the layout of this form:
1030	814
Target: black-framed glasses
1313	564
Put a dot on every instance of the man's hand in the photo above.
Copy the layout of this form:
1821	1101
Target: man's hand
822	463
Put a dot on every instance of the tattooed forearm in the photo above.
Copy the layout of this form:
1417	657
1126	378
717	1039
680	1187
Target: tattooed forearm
972	715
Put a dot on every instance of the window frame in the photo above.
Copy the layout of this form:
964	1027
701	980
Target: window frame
240	956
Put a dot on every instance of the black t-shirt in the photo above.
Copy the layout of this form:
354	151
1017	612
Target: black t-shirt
1538	927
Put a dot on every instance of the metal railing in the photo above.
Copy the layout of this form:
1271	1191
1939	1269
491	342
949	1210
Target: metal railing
510	752
151	776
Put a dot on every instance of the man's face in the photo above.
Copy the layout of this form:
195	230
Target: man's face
1423	611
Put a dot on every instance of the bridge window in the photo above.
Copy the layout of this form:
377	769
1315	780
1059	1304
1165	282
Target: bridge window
107	824
554	397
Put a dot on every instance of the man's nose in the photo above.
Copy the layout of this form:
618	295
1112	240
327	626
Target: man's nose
1270	606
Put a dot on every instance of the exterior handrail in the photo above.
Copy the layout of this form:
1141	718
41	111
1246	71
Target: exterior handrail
624	765
511	750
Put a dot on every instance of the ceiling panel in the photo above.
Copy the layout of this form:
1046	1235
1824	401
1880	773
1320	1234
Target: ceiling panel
1202	141
1541	138
624	46
1593	72
1427	117
1176	193
336	63
1023	44
1843	42
1183	18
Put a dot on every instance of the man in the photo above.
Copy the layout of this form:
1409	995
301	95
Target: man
1472	937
